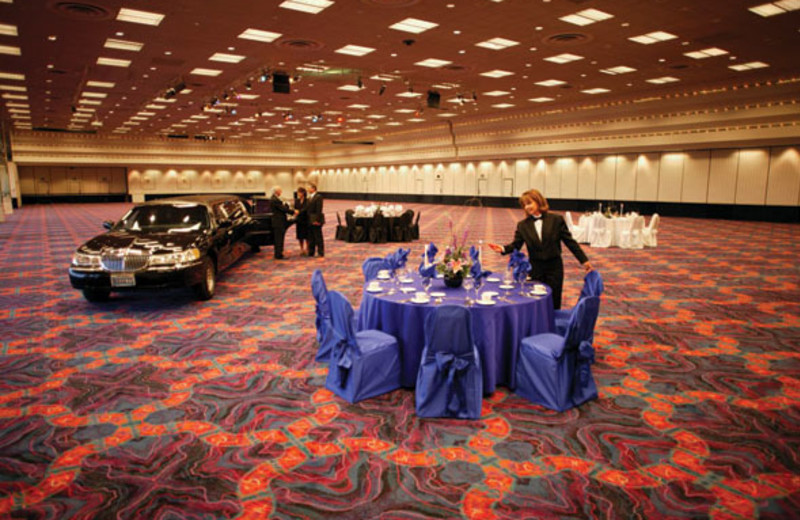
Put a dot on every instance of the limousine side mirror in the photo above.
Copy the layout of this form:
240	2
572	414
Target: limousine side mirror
108	224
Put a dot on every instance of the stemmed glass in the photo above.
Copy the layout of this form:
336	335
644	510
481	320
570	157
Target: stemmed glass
468	283
426	284
508	280
478	281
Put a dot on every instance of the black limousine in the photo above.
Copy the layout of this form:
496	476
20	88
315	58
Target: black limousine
175	242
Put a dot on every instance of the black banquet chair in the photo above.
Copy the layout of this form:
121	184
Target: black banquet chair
341	230
415	227
378	230
401	230
355	233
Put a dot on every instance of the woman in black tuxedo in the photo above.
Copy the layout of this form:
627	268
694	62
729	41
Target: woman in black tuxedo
301	220
542	232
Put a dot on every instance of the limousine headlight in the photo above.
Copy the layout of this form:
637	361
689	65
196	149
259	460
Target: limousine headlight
84	261
170	259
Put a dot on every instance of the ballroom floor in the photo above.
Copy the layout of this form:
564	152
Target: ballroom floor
159	406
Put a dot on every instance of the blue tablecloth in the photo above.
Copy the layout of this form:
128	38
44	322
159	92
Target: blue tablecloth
497	329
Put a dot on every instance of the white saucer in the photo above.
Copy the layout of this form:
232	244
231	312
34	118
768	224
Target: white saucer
540	292
493	279
383	277
486	302
506	286
406	280
438	294
374	289
406	290
414	300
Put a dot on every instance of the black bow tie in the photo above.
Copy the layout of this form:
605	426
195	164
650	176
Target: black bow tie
537	218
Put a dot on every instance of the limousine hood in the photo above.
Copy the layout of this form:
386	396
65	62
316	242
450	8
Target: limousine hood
152	243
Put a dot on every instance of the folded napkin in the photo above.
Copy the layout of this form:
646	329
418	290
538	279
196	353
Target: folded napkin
475	270
427	272
398	259
516	257
521	270
431	251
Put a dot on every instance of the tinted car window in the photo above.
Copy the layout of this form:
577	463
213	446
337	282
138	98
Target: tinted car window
164	219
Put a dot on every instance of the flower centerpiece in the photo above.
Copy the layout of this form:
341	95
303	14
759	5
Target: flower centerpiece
456	262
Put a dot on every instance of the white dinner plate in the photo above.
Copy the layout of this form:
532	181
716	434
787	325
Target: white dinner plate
506	286
438	294
486	302
414	300
406	280
383	277
539	293
407	290
493	279
374	289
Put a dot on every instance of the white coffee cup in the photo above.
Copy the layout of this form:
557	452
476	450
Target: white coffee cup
486	297
420	295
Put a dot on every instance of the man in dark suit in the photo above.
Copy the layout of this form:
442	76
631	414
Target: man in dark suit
316	218
543	232
280	211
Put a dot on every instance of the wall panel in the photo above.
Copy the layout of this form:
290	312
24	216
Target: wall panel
722	176
552	178
783	188
670	176
587	178
606	177
568	169
626	177
539	175
647	174
751	184
695	176
522	173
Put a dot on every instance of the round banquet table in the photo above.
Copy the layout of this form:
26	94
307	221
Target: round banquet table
496	329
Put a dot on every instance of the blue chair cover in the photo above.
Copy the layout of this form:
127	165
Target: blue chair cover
592	286
325	335
555	371
372	265
363	364
449	380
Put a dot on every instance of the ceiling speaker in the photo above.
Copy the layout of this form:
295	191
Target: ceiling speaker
281	83
433	99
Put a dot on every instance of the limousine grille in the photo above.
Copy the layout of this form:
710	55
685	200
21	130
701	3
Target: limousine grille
123	263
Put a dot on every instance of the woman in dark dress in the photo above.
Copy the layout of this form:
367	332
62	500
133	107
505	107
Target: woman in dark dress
301	221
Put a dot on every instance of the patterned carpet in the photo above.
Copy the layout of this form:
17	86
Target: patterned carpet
156	406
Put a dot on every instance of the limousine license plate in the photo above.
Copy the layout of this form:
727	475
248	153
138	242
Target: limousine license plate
123	280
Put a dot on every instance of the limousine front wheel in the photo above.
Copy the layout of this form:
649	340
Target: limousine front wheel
96	295
205	289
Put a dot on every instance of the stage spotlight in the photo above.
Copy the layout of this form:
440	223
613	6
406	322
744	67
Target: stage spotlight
263	77
359	83
340	119
474	96
248	85
382	90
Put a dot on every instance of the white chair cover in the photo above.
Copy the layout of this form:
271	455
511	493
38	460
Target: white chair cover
650	233
578	232
633	236
601	232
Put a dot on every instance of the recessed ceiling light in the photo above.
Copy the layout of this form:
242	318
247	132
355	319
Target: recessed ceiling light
8	30
771	9
706	53
10	50
136	16
306	6
101	95
306	101
354	50
349	88
595	91
113	62
14	88
502	105
12	76
541	99
433	63
497	73
260	36
496	93
155	107
409	94
123	45
550	83
226	58
749	66
359	106
413	25
564	58
621	69
248	96
205	72
84	101
653	37
405	111
586	17
497	44
376	116
662	80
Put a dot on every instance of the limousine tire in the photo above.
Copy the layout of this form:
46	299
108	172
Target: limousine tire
96	295
205	289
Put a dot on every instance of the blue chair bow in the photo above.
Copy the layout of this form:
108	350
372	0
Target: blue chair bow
592	286
449	380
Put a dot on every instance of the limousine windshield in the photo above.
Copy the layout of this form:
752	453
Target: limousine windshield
164	219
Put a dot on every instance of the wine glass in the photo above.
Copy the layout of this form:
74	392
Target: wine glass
468	284
508	279
426	284
478	281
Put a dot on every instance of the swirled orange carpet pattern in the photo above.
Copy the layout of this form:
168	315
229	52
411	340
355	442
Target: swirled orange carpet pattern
159	406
